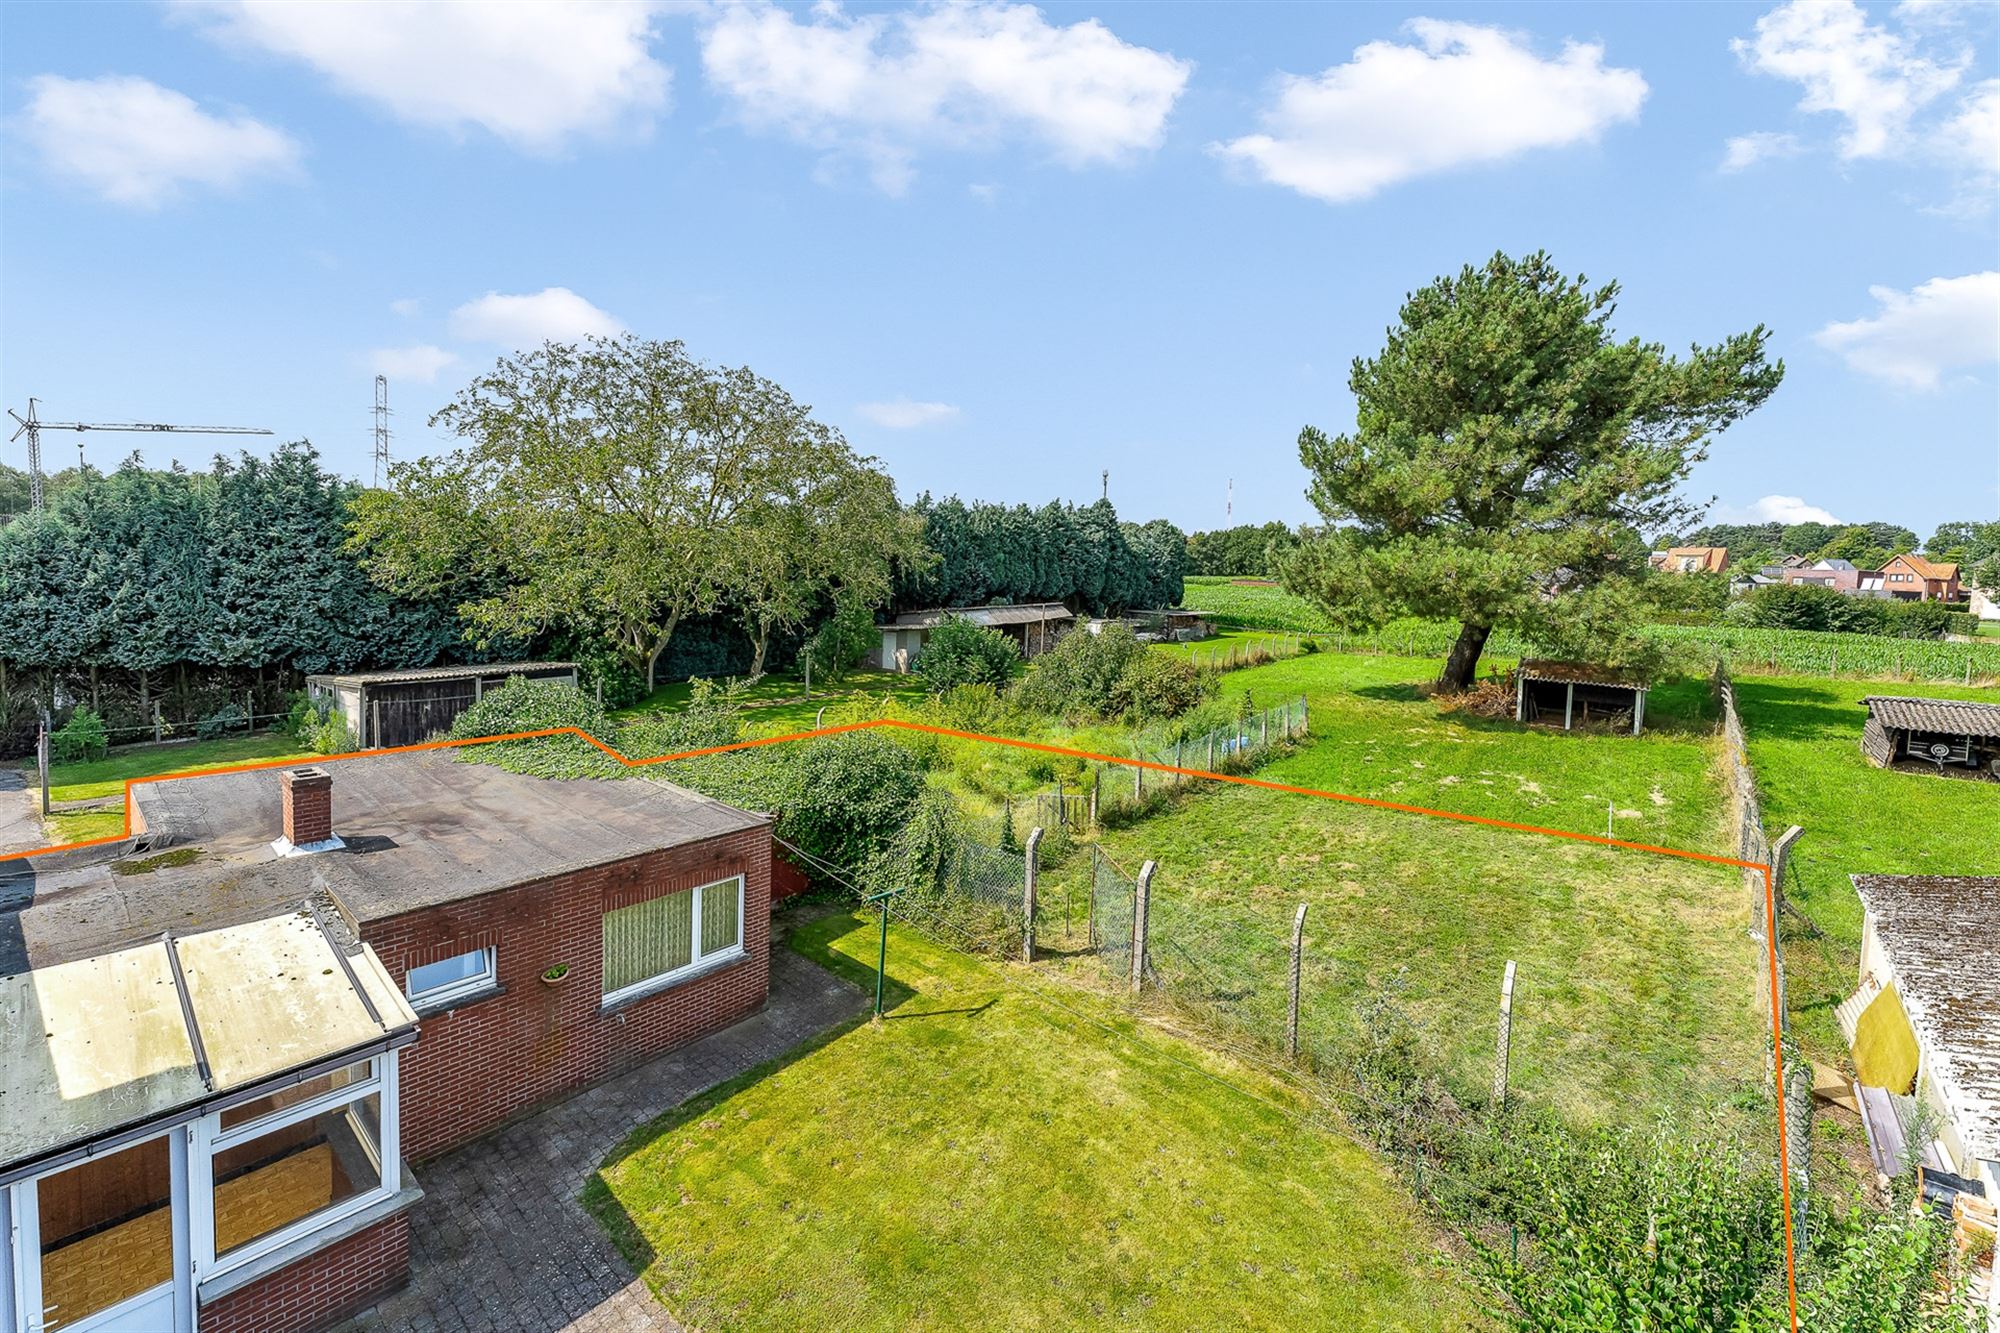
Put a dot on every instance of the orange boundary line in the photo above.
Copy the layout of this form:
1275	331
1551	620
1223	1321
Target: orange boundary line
1770	888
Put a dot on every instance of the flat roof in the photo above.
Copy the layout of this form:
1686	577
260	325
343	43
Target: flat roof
421	829
1960	717
125	1040
465	672
1026	613
1938	932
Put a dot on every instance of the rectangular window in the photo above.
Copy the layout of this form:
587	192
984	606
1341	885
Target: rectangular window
285	1175
647	944
244	1113
449	978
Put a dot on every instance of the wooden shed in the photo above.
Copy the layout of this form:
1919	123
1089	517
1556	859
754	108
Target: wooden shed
404	707
1034	625
1945	732
1578	693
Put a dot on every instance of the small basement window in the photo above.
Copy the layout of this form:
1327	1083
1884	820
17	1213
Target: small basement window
450	978
648	945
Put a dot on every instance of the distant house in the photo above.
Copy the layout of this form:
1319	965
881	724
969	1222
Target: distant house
1033	625
1912	578
1983	603
221	1039
1691	560
1924	1026
1577	693
1840	575
1946	732
386	708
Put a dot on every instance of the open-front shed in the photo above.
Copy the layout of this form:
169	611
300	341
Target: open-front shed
1578	693
1946	732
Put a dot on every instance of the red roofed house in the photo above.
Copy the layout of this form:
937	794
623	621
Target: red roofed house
1912	578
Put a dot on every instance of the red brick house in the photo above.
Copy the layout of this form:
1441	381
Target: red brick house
1912	578
224	1037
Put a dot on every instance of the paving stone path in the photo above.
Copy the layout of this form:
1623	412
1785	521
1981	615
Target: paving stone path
20	817
500	1241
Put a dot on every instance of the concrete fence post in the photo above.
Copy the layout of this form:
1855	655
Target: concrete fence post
1263	728
1781	855
1096	789
375	717
1298	957
159	724
1028	887
1142	897
1138	783
1209	767
1506	1037
1061	813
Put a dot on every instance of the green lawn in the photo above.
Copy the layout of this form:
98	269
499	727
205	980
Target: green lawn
985	1159
779	701
1637	984
1805	749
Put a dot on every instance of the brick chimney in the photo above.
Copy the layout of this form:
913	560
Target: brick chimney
308	794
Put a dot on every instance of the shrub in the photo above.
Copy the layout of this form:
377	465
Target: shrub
224	720
535	705
1076	678
959	652
851	796
1157	686
709	719
972	708
841	640
1962	622
81	739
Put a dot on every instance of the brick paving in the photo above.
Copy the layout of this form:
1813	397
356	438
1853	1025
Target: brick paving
500	1241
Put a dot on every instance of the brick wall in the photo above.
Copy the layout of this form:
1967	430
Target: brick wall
321	1289
479	1065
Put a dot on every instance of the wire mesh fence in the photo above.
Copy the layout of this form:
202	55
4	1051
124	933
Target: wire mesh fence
1112	894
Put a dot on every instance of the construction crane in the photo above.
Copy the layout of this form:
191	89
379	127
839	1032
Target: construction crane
32	426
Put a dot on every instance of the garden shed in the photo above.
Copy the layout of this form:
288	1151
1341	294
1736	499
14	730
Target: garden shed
1033	625
1945	732
385	708
1578	693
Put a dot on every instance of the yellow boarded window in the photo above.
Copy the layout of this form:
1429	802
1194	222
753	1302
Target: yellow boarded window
1885	1046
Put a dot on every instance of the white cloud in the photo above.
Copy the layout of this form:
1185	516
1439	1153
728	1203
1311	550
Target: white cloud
1747	150
902	414
1786	509
1973	135
1942	325
884	86
407	306
1869	74
1461	94
554	314
417	365
137	144
532	72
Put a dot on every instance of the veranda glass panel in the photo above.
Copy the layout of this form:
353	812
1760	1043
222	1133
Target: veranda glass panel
107	1231
244	1112
290	1173
721	922
647	939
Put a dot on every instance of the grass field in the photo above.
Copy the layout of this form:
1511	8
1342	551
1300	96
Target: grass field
779	701
988	1160
1805	749
1636	988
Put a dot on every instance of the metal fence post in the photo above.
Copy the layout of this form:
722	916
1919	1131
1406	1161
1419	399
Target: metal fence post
1298	955
1028	897
1506	1036
1142	896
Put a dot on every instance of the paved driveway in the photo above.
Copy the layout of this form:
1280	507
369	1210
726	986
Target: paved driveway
20	812
499	1241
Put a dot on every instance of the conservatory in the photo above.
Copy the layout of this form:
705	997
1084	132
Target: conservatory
182	1119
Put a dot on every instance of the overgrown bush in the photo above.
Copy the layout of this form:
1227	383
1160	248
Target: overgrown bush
1156	686
1811	607
978	707
851	796
536	705
81	739
1077	678
841	641
710	718
224	721
959	652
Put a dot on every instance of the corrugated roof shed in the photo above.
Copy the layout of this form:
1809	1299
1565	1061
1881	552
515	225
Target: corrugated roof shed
1952	717
1027	613
483	670
1940	934
1578	673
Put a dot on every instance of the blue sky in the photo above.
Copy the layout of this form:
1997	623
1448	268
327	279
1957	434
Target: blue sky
1004	247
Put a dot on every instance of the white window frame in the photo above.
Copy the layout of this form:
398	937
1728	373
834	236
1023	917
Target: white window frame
441	996
698	963
207	1137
